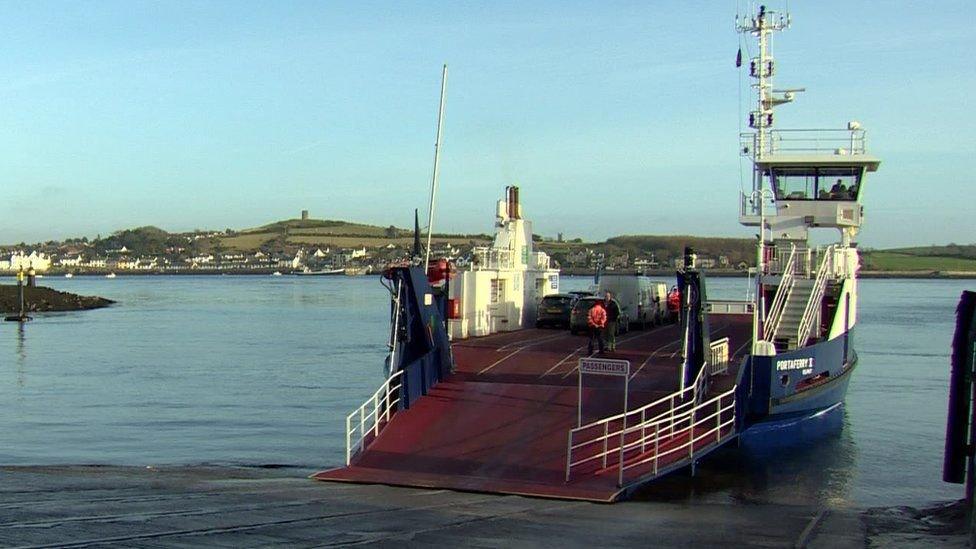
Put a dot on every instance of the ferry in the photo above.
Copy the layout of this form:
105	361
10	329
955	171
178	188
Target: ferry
477	399
321	272
805	301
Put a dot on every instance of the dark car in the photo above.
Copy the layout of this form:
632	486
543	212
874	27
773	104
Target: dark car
580	293
554	310
581	310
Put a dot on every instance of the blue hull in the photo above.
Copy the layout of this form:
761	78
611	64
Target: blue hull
779	432
794	396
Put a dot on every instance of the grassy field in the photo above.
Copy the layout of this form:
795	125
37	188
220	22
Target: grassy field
329	233
895	261
369	242
246	242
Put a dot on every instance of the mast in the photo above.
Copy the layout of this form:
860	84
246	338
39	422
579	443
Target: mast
437	151
761	68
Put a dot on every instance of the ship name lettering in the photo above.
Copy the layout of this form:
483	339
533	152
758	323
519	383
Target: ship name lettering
794	364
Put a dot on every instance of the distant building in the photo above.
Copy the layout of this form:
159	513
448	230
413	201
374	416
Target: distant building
18	261
304	215
618	261
71	261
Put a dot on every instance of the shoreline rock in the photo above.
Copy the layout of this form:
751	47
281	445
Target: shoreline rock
41	299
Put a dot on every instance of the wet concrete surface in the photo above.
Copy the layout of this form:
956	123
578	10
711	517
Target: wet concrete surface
94	506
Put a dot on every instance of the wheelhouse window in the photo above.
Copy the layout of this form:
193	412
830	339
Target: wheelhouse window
816	183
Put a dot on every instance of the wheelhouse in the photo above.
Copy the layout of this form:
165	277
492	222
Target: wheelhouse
816	182
818	190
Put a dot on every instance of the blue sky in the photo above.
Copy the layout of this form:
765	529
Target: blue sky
613	117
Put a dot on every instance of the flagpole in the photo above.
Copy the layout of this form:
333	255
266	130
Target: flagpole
437	150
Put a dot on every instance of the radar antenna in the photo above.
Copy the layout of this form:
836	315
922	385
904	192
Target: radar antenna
761	68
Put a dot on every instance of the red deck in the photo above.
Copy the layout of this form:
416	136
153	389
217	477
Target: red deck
500	422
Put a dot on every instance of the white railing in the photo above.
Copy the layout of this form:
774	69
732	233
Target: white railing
750	206
779	262
362	426
775	314
816	296
606	436
718	361
492	258
652	439
729	307
677	437
789	141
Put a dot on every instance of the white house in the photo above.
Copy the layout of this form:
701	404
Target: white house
71	260
18	261
127	263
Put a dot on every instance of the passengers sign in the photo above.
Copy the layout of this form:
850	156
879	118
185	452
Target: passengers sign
601	367
604	366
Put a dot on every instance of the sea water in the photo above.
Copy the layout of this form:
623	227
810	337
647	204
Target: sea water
261	370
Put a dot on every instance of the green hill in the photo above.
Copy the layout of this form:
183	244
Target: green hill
324	233
146	240
959	251
952	257
672	246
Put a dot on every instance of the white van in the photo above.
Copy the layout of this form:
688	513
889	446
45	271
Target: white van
642	300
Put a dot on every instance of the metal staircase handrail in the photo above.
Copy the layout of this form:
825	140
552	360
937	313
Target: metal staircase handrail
816	295
775	315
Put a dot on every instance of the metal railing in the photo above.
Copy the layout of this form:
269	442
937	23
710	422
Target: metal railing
729	307
780	260
718	361
492	258
830	141
701	425
598	444
749	205
362	426
816	296
775	314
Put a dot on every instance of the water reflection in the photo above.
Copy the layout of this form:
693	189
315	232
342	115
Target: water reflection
807	468
21	354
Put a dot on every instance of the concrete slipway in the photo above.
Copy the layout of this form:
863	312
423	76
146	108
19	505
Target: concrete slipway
91	506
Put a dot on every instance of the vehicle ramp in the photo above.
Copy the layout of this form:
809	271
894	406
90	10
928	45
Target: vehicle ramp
523	439
508	418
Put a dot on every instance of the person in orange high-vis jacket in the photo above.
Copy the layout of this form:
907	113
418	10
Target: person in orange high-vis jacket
596	320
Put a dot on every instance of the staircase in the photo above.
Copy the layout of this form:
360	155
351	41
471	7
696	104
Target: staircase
796	303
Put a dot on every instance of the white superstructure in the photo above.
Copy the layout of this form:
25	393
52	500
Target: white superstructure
802	180
502	288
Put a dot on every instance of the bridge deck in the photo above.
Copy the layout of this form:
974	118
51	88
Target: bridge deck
499	423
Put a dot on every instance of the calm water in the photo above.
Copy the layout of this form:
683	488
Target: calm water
262	370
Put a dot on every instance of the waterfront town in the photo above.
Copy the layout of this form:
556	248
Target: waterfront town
309	245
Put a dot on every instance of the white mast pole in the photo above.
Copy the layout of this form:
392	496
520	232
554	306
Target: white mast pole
437	150
763	87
